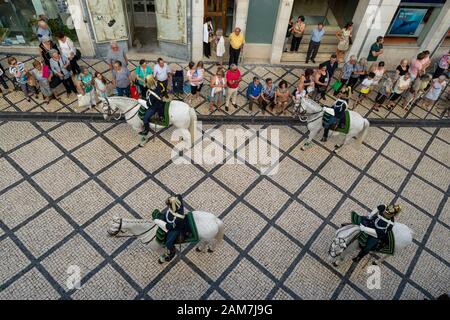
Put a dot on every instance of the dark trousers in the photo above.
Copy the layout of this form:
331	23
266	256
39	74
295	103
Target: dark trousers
170	240
123	92
69	85
352	82
74	66
143	90
439	72
151	112
234	56
313	48
295	44
207	49
370	246
3	83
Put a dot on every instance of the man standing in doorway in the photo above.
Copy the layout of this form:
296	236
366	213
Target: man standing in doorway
314	44
376	50
237	42
116	53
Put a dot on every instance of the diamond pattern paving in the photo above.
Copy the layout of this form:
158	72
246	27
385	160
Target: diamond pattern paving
62	183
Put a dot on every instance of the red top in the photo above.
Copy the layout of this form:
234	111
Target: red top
233	78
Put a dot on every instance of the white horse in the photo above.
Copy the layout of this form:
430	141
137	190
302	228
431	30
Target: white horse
210	231
181	115
346	244
312	113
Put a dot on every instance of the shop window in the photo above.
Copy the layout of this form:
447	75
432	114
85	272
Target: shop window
18	20
412	22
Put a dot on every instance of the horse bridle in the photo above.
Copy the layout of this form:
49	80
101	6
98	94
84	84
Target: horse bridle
303	115
111	112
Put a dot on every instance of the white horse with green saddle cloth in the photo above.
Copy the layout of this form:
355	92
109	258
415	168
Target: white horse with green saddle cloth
349	238
177	113
205	229
314	115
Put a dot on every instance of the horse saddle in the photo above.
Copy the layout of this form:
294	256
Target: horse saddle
164	121
330	121
189	235
385	246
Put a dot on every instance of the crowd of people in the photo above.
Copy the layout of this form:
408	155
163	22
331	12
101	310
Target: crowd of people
58	64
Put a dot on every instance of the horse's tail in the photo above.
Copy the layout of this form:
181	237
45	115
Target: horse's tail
364	132
220	233
192	124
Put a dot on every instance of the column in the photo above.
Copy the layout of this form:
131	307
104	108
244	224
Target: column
438	30
81	26
241	14
375	17
197	29
279	34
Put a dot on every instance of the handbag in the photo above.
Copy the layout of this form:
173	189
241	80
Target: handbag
84	100
336	86
134	92
45	72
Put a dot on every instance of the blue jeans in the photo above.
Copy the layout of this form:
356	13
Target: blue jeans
152	111
123	92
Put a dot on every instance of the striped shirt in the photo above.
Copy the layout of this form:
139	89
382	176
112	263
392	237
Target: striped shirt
19	72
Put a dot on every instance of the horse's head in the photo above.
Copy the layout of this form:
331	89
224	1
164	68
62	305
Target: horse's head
337	247
343	238
305	107
108	108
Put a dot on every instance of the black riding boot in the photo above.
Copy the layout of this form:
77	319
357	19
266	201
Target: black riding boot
325	134
146	129
171	255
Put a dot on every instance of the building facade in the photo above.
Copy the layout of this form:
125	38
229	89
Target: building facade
175	27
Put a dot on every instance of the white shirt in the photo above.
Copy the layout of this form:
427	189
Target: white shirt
205	33
221	47
161	73
67	48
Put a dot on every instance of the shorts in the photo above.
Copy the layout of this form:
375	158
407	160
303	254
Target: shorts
195	89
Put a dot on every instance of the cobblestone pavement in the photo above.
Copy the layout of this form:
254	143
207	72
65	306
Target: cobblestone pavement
15	102
62	182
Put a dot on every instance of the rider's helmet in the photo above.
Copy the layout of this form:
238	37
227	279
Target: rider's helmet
392	210
173	203
340	103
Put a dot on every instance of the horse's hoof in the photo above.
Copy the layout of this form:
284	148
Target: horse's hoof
335	265
160	262
210	251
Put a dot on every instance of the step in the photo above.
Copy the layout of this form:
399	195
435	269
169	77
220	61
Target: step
327	39
301	57
328	29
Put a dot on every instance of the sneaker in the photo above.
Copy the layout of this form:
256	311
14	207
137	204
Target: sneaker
324	139
307	61
144	132
314	61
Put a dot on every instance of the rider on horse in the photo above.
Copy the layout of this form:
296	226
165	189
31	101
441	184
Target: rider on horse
174	224
155	93
377	225
339	108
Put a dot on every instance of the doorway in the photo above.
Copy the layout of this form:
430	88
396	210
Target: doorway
222	14
143	28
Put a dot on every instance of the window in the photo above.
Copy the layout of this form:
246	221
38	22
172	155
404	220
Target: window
18	20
